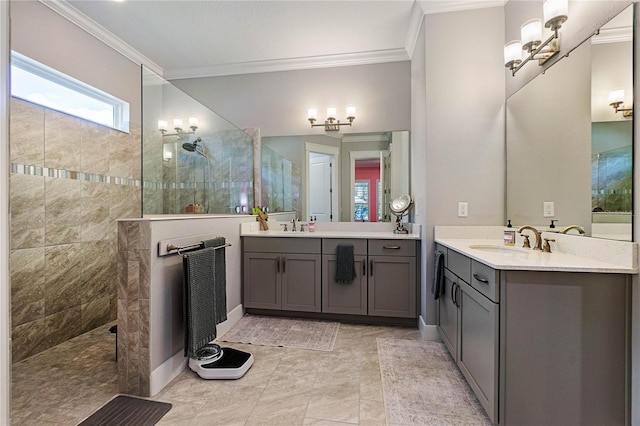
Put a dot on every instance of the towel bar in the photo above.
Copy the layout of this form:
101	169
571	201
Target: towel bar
172	247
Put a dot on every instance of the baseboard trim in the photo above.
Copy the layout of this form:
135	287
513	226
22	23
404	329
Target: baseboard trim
428	331
171	368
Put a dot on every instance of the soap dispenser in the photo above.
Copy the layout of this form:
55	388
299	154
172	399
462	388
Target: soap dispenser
509	235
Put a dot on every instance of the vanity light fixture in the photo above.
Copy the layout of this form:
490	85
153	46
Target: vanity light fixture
168	155
530	46
331	124
177	125
616	100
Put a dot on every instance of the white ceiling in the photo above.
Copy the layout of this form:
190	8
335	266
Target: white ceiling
185	38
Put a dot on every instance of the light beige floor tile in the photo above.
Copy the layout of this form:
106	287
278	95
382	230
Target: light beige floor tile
340	402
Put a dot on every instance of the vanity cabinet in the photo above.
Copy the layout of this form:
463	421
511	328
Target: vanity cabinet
340	298
392	278
539	347
297	274
385	278
282	274
468	323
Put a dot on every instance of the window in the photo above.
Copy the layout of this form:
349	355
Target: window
361	201
42	85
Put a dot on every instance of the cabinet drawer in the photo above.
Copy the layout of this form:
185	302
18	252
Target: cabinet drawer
459	264
392	248
282	245
486	280
329	245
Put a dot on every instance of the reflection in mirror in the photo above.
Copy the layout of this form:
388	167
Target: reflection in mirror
567	145
335	177
205	167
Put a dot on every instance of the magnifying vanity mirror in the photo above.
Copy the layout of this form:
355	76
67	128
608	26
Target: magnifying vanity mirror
569	152
335	177
400	206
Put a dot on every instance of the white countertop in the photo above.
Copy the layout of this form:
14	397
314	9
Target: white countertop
334	230
521	259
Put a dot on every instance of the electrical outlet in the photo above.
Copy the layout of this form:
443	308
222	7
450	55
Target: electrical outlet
463	209
548	209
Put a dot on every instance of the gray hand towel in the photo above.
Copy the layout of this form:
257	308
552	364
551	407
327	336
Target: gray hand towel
199	300
438	287
345	265
220	277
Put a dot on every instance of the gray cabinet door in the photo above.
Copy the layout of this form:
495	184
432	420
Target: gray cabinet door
301	276
262	280
478	350
339	298
448	315
392	286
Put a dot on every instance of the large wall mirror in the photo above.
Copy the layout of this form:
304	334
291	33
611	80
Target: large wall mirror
335	177
566	144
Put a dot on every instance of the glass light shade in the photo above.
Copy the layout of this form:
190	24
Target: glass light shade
162	125
513	52
177	123
331	113
616	96
193	121
351	111
531	33
312	113
168	155
555	12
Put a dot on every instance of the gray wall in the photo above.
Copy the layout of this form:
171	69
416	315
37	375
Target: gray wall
277	102
464	127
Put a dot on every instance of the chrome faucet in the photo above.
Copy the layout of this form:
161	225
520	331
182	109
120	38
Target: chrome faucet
294	224
580	229
536	233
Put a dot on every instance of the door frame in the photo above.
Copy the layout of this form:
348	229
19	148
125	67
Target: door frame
361	155
334	151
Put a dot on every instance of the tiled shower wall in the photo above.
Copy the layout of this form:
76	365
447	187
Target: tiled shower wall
71	179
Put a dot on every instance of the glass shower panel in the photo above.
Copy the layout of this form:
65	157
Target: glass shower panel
204	167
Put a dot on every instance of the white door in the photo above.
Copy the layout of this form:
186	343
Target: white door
320	186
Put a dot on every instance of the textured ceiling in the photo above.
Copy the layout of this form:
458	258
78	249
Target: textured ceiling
194	38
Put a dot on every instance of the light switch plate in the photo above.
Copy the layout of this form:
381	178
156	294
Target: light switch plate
463	209
548	209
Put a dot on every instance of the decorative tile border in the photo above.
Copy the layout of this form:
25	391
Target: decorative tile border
25	169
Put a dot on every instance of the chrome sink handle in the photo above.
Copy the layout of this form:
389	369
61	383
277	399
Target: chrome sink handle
285	226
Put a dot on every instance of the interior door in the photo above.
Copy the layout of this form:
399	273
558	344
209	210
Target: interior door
320	186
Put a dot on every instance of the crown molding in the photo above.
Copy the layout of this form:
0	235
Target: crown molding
292	64
431	7
81	20
613	35
415	24
370	137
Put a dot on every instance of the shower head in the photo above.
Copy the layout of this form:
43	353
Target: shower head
191	147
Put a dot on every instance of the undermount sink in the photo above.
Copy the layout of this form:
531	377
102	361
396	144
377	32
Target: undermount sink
495	248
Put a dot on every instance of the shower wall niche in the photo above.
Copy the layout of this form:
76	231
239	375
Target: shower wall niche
207	168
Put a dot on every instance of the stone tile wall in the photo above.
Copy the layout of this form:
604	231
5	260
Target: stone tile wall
134	290
71	179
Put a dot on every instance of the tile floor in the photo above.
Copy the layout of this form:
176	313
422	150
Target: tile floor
285	386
